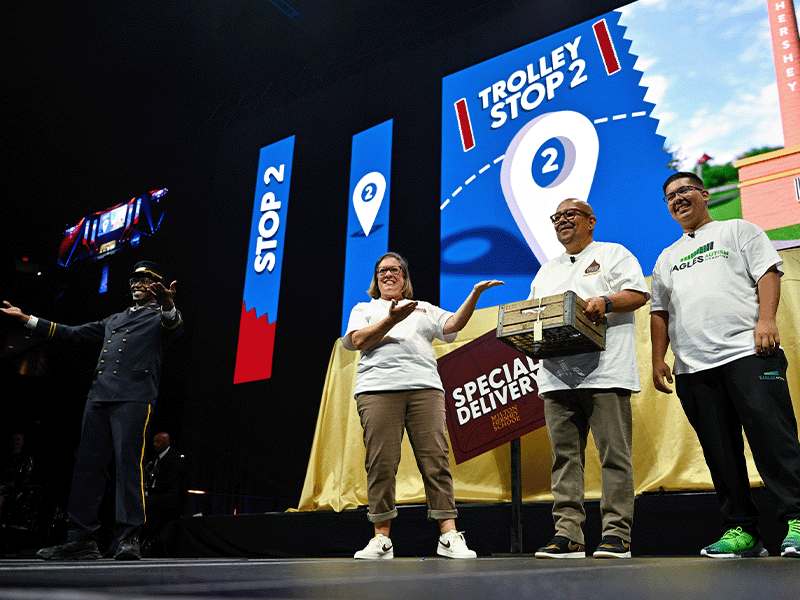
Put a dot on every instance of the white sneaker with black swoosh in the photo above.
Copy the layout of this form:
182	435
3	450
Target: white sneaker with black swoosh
453	545
379	548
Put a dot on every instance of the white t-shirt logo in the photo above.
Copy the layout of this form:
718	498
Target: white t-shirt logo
592	269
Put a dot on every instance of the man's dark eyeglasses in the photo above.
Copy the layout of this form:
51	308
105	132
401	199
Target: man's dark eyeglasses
681	191
569	215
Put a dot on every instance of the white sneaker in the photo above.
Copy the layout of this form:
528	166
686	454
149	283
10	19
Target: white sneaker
453	545
379	548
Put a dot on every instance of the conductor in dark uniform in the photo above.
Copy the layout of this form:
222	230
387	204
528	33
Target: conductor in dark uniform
119	406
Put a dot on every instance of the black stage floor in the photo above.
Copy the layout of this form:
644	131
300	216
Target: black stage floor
671	524
309	555
671	578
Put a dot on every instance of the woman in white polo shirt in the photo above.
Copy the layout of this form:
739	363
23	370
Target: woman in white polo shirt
397	387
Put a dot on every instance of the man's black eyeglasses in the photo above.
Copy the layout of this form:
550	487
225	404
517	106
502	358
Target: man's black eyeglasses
682	191
569	215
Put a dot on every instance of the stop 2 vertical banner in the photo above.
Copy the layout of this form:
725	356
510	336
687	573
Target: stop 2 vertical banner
262	280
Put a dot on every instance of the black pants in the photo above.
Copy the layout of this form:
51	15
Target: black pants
750	392
111	431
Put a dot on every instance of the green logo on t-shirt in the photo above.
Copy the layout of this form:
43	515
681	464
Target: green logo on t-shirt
704	252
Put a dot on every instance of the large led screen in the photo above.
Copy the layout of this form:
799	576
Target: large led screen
603	111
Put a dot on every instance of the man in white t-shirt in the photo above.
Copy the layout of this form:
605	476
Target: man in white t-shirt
591	390
715	295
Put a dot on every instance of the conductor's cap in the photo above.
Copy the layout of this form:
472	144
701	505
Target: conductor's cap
146	268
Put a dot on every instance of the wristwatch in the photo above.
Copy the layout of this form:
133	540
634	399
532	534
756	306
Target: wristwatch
609	304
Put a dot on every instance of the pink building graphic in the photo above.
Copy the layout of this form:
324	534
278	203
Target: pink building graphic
770	183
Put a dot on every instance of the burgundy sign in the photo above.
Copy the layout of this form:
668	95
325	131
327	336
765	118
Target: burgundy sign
490	395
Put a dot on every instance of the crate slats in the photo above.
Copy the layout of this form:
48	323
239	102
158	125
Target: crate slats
565	330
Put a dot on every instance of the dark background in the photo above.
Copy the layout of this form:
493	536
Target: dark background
108	100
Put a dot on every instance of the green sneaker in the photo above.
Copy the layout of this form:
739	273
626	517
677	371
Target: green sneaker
791	545
735	544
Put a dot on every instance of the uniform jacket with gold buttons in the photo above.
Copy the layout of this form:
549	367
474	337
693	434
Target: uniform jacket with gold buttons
129	365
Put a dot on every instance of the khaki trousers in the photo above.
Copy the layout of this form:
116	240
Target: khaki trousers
570	414
384	417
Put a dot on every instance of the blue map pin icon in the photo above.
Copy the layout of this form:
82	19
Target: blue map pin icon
551	158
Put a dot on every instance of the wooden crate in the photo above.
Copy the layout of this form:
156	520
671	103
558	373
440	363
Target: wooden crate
562	328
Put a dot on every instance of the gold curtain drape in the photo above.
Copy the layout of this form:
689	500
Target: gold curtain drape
666	453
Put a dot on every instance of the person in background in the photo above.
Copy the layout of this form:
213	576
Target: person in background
16	470
162	490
